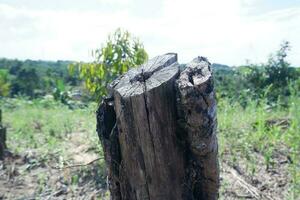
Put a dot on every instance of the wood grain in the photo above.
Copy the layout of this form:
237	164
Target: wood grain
158	132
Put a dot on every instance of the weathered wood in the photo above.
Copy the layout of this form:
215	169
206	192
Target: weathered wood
2	138
157	129
197	113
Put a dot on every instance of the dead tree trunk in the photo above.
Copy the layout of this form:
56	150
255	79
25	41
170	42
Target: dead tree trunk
2	138
158	132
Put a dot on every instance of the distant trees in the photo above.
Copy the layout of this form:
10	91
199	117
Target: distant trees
25	82
33	78
273	80
120	52
270	80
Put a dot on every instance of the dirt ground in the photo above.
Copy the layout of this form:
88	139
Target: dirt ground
270	184
29	176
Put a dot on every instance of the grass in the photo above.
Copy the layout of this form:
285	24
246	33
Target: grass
47	134
246	132
44	126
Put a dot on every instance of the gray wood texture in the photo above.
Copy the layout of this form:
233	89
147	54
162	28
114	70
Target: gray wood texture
197	114
158	132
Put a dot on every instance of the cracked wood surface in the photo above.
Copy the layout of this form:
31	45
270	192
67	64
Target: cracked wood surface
197	112
157	129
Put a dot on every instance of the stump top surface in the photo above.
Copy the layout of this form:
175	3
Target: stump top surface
196	72
147	76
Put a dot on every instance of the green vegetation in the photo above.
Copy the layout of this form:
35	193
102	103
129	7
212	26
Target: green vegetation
44	124
258	119
268	81
33	78
261	139
45	137
4	84
117	56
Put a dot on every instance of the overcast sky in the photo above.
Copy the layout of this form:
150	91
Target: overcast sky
225	31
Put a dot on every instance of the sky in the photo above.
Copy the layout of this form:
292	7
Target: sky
228	32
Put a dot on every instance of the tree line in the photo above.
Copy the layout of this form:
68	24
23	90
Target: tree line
33	78
273	80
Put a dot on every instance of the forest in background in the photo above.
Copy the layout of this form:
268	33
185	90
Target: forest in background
36	79
45	106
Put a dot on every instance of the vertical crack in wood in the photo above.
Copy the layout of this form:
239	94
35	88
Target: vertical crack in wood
143	79
159	137
147	113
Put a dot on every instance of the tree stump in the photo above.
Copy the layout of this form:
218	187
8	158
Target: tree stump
2	138
158	132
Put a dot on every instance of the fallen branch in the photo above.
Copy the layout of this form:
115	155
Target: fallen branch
254	192
79	165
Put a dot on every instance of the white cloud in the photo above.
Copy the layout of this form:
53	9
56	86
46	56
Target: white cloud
217	29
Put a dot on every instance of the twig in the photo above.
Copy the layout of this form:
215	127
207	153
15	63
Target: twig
79	165
254	192
251	189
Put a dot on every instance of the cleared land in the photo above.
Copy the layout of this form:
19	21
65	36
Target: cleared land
54	151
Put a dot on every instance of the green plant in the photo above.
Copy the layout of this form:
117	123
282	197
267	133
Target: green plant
250	138
269	81
120	53
4	83
44	128
60	93
42	180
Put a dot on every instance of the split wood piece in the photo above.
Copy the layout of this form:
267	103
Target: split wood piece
154	146
197	113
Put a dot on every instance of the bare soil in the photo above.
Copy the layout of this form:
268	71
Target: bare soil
30	176
260	182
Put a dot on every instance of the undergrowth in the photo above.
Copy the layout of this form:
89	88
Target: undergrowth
261	129
44	126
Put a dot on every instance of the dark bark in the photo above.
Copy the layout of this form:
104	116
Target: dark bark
2	138
197	113
158	132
